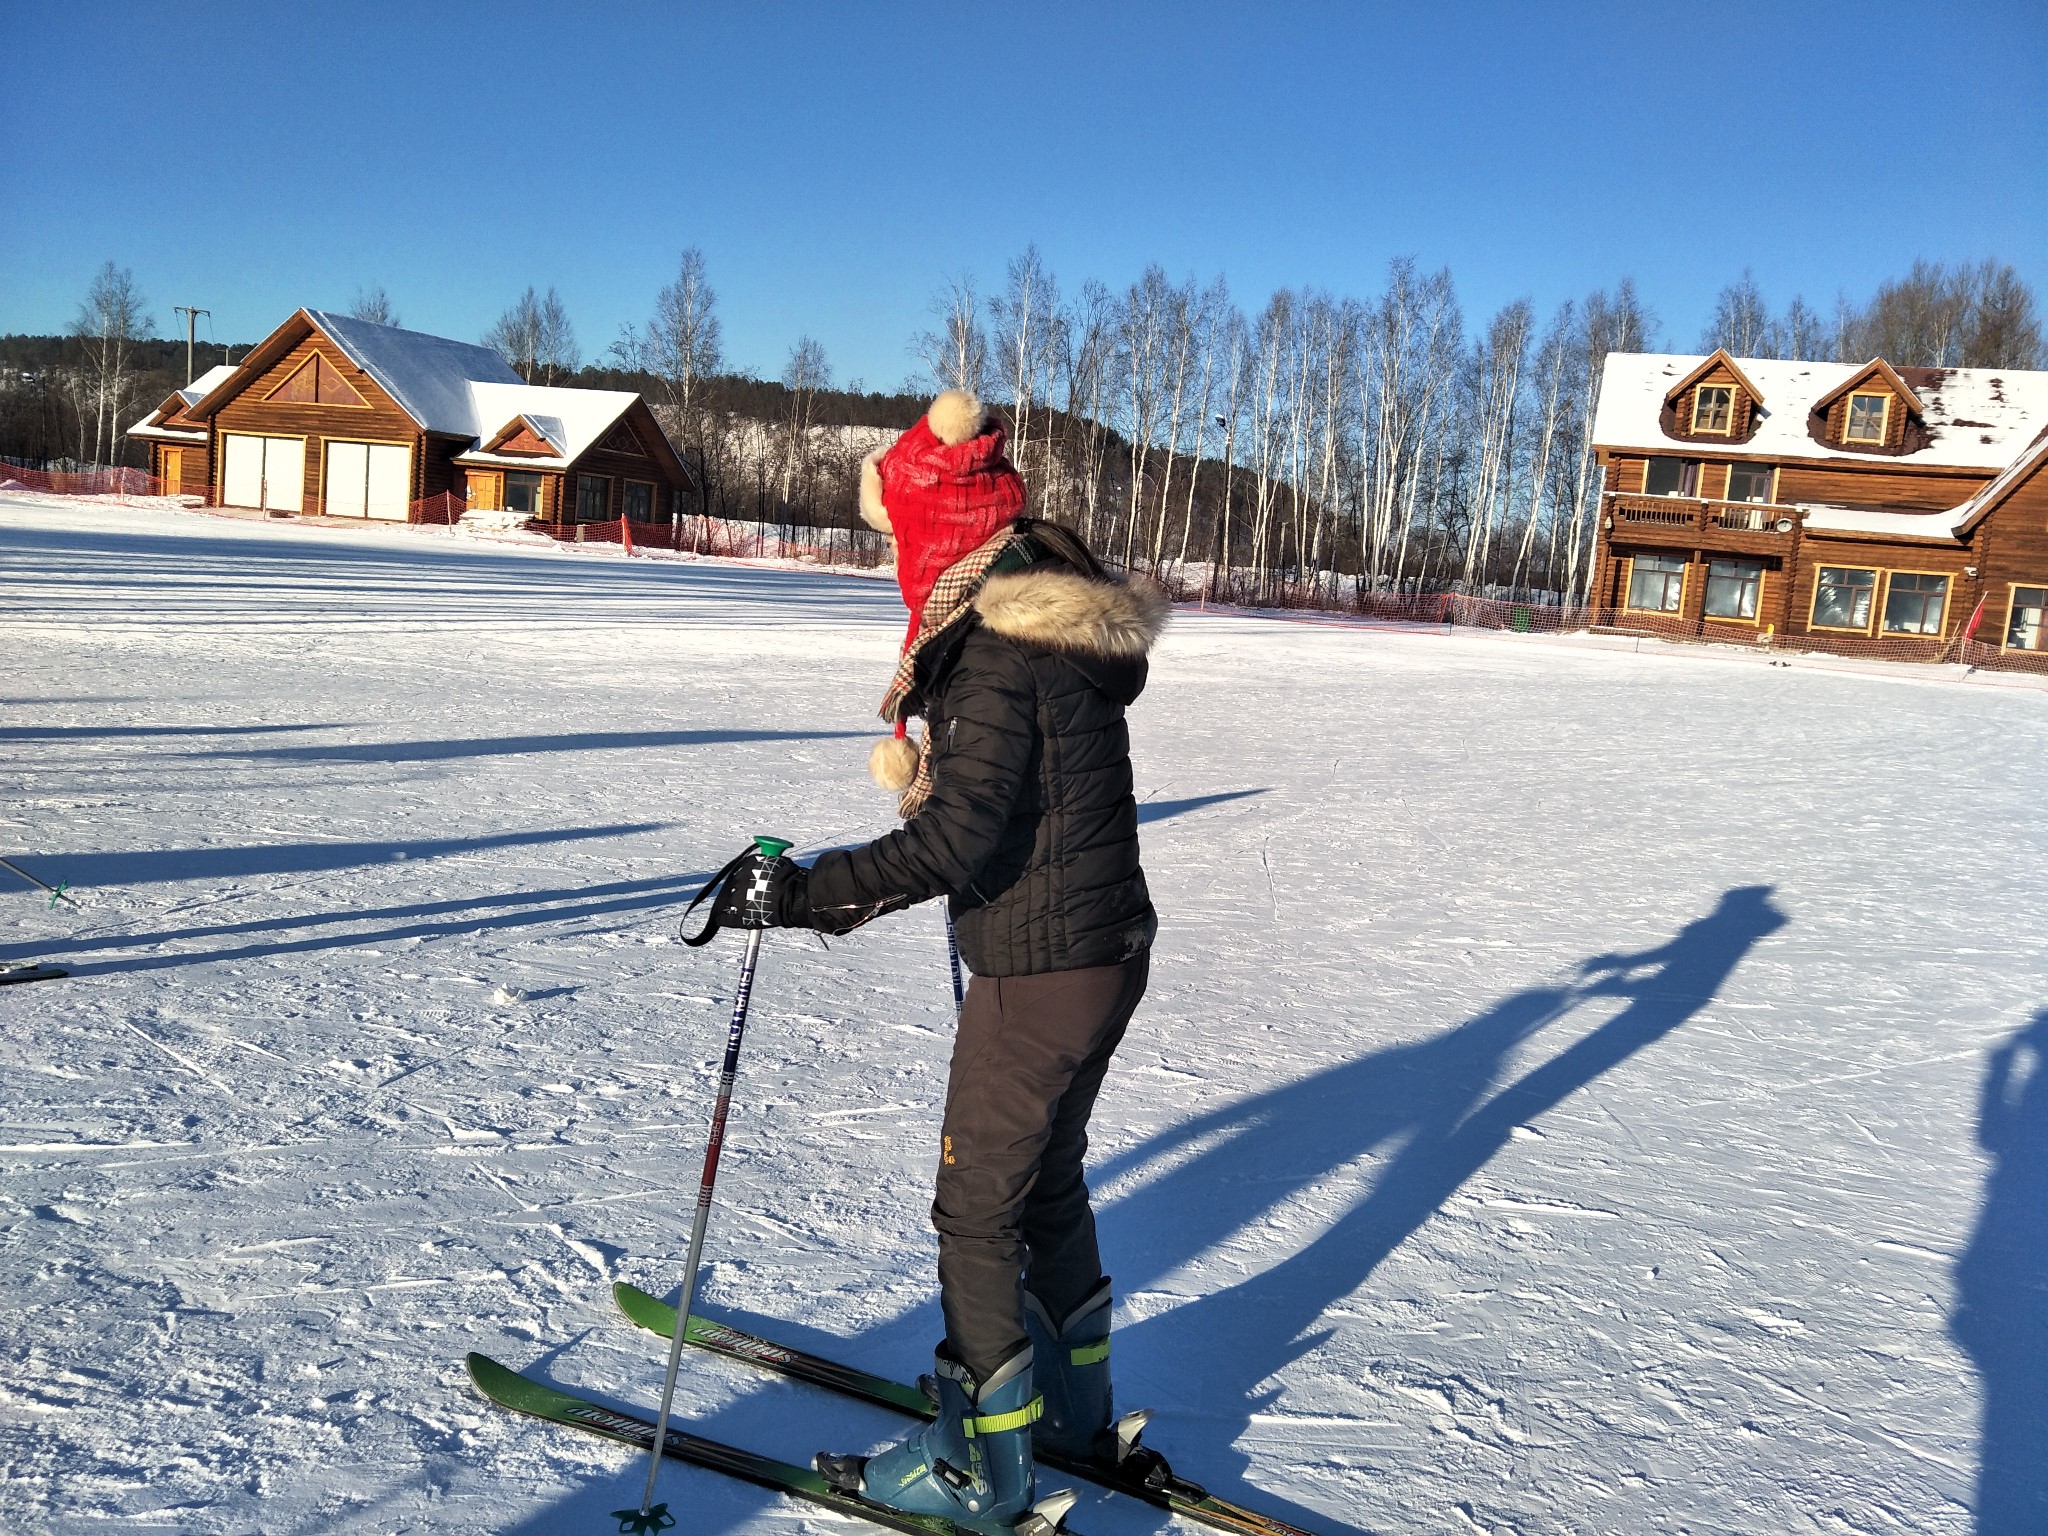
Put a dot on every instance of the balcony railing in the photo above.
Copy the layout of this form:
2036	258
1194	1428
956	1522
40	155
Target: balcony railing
1699	515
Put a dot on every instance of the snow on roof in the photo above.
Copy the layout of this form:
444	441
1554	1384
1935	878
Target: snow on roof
1823	518
571	419
151	426
206	383
1979	418
429	376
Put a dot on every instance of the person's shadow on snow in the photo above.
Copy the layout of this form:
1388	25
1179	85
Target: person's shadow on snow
1437	1109
2001	1310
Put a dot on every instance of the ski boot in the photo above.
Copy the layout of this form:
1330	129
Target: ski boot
1076	1422
971	1465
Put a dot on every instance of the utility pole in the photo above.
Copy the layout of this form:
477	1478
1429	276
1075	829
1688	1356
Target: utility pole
191	334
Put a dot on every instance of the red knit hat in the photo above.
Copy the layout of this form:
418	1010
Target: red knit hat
943	490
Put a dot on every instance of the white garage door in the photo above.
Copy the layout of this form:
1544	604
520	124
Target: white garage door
368	480
390	482
263	472
346	475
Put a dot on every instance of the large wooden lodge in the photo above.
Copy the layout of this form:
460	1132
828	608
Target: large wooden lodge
1860	508
340	417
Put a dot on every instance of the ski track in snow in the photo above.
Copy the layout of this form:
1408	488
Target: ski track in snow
1555	1109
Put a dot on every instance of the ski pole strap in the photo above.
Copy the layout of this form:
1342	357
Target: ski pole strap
711	888
768	848
996	1423
1089	1354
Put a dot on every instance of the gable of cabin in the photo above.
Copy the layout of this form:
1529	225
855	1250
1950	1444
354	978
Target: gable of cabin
1715	403
521	436
1874	411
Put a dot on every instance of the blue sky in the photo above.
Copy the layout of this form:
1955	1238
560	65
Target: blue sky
836	163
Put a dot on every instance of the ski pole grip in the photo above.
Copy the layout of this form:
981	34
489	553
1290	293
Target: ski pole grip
771	847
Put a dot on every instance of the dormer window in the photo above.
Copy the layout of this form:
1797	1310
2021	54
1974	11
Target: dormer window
1869	415
1713	409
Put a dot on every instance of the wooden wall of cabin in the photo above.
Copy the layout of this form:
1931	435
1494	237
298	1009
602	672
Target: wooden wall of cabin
1877	485
194	471
2013	541
1883	557
378	419
619	468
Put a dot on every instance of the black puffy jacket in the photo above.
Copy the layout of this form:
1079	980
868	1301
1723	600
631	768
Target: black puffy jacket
1031	827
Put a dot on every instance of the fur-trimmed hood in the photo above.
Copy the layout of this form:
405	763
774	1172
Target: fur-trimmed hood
1063	610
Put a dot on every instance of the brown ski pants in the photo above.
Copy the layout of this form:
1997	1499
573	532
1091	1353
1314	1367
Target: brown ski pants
1012	1206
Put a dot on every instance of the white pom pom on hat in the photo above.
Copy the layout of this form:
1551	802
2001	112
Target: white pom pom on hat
956	417
893	763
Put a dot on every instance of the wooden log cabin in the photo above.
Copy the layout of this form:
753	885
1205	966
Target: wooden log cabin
1858	508
340	417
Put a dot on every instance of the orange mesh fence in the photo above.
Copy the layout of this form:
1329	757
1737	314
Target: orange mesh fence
117	483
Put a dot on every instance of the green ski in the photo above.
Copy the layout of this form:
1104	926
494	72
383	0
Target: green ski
1145	1477
522	1394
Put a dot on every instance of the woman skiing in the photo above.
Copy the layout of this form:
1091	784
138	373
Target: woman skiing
1021	655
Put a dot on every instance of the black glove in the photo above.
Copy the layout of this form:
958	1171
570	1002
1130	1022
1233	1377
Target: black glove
754	892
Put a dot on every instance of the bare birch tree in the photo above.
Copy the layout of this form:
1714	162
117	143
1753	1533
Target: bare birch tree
535	338
956	354
374	305
109	323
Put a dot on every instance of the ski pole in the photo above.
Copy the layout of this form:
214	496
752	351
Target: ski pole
651	1516
57	892
953	955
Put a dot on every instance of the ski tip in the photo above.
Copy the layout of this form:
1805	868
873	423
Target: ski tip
19	973
637	1521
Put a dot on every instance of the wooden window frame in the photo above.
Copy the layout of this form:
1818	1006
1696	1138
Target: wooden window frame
606	480
540	492
630	482
1628	586
1770	496
1763	581
1884	421
1700	431
1877	573
1699	471
2012	601
1948	590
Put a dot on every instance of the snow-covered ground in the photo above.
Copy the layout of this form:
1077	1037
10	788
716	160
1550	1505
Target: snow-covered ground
1557	1108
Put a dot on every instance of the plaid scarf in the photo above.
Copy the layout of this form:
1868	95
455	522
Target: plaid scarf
950	595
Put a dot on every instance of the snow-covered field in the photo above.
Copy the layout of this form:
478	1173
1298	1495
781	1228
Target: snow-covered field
1557	1109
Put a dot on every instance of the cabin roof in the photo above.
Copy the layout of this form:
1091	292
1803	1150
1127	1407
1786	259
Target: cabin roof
572	420
1977	418
206	383
189	395
429	376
